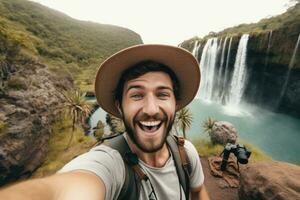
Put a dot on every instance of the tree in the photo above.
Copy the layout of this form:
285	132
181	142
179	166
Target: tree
208	125
78	109
184	120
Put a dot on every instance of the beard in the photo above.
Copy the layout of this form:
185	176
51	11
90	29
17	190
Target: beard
144	117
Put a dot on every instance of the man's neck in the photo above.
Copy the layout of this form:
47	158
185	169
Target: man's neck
155	159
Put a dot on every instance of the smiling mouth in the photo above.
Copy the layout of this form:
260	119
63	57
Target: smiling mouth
149	126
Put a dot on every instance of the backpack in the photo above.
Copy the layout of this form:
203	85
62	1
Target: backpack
134	174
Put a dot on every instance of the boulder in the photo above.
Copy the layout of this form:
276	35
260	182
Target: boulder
222	133
270	180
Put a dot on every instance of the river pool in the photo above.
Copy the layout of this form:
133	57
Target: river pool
278	135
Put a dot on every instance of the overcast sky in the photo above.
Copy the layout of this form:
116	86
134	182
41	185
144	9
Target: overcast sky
170	21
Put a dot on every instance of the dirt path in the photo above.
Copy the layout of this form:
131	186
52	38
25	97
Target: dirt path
212	185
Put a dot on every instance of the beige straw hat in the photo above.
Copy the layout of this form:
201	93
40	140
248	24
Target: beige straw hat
182	62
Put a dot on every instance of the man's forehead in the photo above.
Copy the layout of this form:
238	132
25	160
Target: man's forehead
151	79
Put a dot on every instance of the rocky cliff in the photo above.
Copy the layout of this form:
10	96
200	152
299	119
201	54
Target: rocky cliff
273	62
29	102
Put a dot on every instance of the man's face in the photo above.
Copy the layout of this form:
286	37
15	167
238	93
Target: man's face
148	108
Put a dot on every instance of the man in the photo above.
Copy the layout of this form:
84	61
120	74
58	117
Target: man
144	85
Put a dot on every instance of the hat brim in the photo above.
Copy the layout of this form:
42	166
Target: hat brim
179	60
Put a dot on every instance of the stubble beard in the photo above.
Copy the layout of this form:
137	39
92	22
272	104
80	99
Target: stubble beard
137	141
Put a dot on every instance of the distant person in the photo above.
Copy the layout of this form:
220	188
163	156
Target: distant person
144	85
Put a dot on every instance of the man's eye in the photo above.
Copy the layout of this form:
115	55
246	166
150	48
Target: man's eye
136	96
163	95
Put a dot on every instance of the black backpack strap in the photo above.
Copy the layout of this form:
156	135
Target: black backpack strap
133	173
182	163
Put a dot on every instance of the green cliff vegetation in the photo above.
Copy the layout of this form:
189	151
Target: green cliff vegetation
286	21
66	45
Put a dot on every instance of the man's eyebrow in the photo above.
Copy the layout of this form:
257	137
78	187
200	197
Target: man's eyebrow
134	87
165	88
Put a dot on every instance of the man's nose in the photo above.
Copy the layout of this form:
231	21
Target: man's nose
151	106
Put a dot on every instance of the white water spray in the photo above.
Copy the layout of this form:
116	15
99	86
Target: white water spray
208	65
239	73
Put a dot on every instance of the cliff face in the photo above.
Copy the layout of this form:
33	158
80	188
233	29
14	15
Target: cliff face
29	102
273	63
274	75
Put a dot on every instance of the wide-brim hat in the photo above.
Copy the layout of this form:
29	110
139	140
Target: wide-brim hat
179	60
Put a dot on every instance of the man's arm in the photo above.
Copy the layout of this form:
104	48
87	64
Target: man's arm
79	185
200	193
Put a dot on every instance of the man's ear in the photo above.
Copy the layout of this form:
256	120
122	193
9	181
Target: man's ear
118	106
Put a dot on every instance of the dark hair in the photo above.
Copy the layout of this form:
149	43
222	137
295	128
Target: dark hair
142	68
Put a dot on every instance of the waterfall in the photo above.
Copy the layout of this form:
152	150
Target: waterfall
291	65
239	73
221	72
226	78
208	65
268	48
196	48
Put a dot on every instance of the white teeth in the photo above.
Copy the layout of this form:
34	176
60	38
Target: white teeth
150	123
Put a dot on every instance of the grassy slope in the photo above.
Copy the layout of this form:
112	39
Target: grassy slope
206	148
64	44
57	156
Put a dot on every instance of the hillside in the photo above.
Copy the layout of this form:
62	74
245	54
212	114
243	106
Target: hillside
55	39
43	53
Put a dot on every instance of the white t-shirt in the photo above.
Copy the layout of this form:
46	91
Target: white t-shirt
108	164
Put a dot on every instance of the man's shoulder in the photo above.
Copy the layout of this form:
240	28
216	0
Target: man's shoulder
190	149
98	155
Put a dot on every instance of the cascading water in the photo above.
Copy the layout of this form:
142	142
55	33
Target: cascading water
195	50
268	48
208	65
291	64
221	73
239	73
226	76
215	80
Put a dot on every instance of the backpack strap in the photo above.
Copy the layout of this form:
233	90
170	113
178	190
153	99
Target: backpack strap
133	173
182	163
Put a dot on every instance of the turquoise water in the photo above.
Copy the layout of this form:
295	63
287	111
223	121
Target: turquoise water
277	135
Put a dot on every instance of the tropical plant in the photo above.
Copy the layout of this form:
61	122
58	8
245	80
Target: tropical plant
78	109
99	130
184	120
208	125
